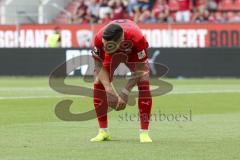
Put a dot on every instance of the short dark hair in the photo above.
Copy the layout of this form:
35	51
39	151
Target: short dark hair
112	32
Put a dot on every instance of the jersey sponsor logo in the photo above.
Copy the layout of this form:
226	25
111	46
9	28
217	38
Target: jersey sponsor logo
141	54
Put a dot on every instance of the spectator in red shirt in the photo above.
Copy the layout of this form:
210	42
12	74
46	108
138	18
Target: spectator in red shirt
119	8
107	18
200	5
161	11
183	14
80	13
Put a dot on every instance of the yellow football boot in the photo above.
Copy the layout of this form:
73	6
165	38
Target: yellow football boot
102	136
144	137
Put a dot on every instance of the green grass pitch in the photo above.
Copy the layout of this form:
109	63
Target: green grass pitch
29	129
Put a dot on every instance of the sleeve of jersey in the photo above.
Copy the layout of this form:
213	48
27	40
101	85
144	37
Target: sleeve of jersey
140	50
97	51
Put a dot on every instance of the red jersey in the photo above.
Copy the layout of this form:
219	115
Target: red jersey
200	3
134	44
183	5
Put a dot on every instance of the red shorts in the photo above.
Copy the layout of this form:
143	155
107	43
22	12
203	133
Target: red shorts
111	63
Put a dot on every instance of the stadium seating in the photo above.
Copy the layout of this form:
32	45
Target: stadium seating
67	11
226	5
237	5
173	5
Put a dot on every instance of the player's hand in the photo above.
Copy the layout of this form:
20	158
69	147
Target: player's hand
112	98
121	104
122	101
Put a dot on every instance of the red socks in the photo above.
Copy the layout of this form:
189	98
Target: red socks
144	104
100	104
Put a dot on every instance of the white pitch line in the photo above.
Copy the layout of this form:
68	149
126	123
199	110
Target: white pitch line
206	91
37	97
173	92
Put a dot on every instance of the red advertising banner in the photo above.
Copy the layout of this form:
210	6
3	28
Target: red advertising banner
158	35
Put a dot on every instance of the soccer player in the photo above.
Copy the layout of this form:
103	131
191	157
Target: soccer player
119	39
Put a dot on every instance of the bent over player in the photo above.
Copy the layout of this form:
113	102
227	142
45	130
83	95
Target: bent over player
118	39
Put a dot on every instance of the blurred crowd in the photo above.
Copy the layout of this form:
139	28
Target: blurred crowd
155	11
